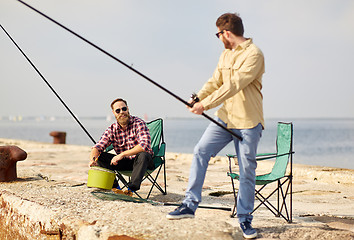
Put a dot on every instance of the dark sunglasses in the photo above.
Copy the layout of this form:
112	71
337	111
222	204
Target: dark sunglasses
123	109
218	34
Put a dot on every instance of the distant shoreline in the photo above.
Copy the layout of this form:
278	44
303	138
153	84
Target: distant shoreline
45	117
11	141
316	142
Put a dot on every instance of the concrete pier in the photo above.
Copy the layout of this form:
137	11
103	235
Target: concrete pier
50	200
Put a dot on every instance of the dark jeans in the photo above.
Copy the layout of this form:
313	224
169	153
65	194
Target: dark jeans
137	165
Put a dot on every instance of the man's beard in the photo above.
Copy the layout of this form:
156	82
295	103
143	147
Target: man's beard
123	119
227	44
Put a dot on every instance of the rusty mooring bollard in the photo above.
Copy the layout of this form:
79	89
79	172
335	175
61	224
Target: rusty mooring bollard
59	137
9	156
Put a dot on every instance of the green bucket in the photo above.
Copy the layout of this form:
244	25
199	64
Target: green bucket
99	177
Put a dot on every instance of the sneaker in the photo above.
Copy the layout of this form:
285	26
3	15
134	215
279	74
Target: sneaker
126	192
181	212
116	190
248	230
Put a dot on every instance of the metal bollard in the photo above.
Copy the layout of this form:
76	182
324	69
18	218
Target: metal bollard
58	137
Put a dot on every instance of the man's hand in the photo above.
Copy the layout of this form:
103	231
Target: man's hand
93	157
197	108
116	159
93	162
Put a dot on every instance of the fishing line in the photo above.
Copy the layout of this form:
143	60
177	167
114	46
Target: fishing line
56	94
131	68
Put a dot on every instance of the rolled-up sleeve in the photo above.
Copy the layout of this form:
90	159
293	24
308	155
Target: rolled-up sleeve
143	136
104	141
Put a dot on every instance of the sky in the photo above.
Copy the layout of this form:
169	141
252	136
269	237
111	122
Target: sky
308	48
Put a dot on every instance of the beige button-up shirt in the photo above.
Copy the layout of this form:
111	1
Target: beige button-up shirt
237	83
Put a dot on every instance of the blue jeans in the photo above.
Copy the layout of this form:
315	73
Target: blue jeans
213	140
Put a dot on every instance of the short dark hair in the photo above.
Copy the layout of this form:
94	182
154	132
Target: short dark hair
231	22
118	100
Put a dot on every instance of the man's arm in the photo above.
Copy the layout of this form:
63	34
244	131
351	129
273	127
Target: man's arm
100	146
143	136
239	79
133	151
93	157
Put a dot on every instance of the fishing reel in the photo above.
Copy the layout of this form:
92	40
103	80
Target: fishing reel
194	98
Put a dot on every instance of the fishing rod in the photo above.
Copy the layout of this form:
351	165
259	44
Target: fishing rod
88	134
131	68
56	94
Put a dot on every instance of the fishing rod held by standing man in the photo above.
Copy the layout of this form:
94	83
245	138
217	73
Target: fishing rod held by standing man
131	68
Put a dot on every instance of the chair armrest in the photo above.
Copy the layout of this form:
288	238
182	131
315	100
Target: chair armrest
264	156
268	155
162	150
109	148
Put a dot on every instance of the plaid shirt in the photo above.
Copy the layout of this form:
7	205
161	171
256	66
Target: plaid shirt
122	140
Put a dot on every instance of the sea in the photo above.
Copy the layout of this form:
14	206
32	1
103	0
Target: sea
320	142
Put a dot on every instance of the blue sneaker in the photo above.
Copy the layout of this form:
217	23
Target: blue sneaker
248	230
181	212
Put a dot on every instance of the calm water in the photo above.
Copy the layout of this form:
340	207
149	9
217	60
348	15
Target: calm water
324	142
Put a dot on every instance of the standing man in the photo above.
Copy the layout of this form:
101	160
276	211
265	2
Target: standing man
236	83
131	140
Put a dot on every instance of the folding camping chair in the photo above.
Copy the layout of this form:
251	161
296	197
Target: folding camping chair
278	175
158	146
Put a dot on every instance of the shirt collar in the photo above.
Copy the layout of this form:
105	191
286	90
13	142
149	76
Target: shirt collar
244	45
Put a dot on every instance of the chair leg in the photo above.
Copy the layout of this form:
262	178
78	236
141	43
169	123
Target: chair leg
288	213
278	182
122	179
148	176
234	210
264	201
164	175
154	183
283	205
277	211
291	198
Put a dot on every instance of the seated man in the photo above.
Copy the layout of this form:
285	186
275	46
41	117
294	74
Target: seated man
131	141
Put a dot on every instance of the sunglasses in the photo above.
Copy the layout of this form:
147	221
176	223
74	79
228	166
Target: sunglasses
123	109
219	33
